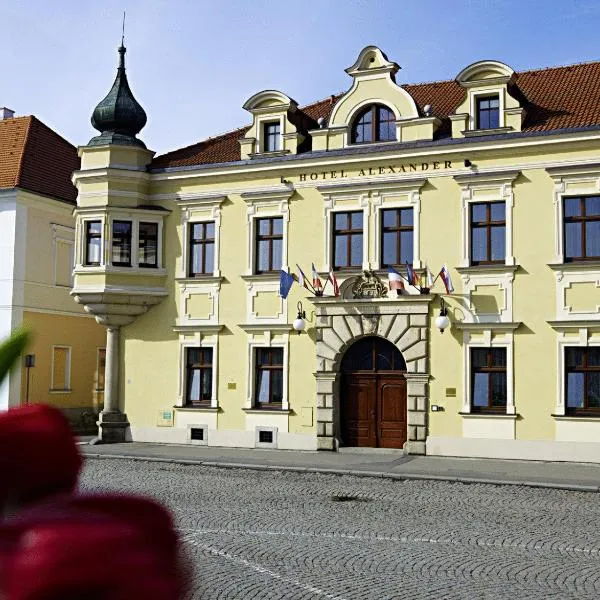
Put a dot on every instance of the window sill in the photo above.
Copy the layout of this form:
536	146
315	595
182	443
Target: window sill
150	272
204	409
270	409
66	391
582	265
493	268
481	132
199	279
270	276
490	415
269	154
575	418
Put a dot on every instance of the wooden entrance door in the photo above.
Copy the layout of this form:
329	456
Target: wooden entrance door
373	395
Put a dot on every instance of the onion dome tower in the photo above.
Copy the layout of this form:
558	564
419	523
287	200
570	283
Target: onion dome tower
119	117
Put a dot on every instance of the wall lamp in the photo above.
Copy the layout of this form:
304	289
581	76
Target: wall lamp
299	323
442	321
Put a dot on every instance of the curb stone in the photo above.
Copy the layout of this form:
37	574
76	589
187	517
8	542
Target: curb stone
575	487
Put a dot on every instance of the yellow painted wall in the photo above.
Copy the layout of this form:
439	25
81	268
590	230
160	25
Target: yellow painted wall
84	336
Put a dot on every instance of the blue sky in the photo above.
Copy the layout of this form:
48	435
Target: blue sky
192	64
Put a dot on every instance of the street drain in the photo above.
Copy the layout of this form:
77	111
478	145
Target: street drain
349	499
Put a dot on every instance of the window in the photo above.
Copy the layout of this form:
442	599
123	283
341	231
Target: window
93	242
269	244
582	228
348	240
488	380
148	245
269	377
61	368
199	374
376	123
488	112
396	236
121	243
488	233
272	137
582	380
202	249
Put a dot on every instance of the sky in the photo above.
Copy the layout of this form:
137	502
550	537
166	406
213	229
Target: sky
192	64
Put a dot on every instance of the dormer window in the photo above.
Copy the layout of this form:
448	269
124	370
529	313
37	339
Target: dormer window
488	112
272	136
375	123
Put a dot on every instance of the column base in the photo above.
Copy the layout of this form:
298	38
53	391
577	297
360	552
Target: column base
112	428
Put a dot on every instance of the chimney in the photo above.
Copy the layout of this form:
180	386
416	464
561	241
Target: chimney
6	113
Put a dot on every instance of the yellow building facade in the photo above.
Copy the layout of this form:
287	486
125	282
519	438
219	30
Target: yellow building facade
495	174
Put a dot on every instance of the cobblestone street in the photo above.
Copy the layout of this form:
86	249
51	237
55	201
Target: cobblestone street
286	535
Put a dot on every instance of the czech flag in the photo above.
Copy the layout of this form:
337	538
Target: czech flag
445	275
301	277
395	280
334	283
317	284
410	275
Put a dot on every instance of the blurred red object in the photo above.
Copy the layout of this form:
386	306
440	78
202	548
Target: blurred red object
97	547
38	454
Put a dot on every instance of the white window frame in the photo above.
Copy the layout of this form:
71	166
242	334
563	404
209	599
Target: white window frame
202	208
583	340
475	95
53	388
487	340
260	130
81	235
263	204
407	195
486	188
197	340
570	182
266	341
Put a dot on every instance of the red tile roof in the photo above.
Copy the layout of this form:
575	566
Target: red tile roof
555	98
35	158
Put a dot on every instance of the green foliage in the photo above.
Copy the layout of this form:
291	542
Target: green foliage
11	349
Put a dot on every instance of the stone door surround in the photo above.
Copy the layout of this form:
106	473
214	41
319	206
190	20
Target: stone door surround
404	322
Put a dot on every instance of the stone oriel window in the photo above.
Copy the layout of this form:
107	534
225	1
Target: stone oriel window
199	375
269	244
93	242
488	232
396	236
582	380
268	390
488	380
488	112
581	223
375	123
348	240
201	249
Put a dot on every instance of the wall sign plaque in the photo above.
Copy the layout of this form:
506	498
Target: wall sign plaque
368	285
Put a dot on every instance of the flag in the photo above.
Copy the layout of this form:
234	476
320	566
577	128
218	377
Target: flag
410	275
445	275
301	277
316	281
429	277
334	283
395	279
286	280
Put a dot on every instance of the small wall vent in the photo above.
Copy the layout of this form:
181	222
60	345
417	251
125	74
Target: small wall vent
197	434
265	437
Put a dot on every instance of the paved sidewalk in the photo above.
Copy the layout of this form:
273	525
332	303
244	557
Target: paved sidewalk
570	476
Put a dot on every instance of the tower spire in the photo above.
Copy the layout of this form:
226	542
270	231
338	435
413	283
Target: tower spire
119	116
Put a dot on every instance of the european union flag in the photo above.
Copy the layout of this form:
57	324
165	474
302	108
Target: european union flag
286	280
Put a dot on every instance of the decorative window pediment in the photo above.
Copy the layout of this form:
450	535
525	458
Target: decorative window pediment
492	100
277	125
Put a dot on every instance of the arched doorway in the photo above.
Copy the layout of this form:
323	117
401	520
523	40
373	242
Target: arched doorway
373	395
